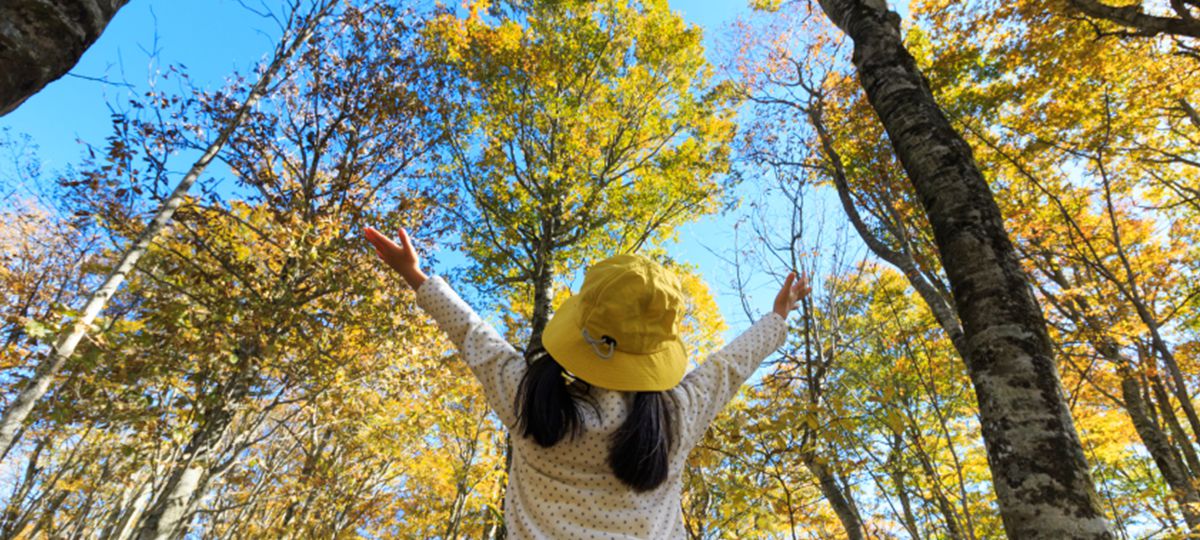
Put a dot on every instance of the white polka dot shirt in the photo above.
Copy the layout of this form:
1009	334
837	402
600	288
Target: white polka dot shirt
568	490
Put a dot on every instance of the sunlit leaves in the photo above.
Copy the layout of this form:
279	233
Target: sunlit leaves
590	128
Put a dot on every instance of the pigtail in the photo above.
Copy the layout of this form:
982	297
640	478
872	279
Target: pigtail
545	404
641	446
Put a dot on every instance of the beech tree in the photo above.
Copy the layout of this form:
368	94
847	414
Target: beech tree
259	375
1006	346
579	130
591	128
1085	183
245	314
298	30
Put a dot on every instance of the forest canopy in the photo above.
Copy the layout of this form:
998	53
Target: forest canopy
998	204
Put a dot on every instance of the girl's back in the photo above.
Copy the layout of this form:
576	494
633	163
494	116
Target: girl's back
601	459
568	490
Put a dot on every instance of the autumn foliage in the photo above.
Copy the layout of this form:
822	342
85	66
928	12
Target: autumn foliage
260	375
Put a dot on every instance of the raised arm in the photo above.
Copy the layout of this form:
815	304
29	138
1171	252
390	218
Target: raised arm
493	360
708	388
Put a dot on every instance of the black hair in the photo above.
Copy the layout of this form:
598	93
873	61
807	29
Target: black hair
545	403
548	411
641	446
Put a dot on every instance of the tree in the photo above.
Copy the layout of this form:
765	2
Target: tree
1008	352
298	31
343	131
867	408
591	128
1088	180
42	40
259	307
1181	21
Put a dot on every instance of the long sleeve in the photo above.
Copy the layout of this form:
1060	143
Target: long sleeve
707	389
493	360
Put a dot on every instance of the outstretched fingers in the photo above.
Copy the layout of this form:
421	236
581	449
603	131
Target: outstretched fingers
382	243
404	239
802	288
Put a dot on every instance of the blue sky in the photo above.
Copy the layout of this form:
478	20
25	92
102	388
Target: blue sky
216	37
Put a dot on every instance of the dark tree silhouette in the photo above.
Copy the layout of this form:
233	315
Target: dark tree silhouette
41	40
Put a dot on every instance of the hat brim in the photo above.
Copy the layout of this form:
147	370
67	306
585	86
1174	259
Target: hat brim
653	372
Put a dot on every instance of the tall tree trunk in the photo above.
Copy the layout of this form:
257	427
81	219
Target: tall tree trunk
1134	396
943	310
39	383
168	518
1171	420
895	470
41	40
1165	457
127	514
1132	290
839	499
1179	384
169	515
1038	467
543	280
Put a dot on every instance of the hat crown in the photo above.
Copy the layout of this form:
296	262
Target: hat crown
632	300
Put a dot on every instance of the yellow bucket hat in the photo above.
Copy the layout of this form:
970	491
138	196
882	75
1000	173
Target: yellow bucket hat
620	331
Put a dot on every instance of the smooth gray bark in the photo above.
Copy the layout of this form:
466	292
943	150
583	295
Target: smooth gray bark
41	40
1039	472
168	516
127	514
1169	463
170	513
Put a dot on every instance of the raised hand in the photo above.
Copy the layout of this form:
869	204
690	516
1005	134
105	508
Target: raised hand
402	257
792	292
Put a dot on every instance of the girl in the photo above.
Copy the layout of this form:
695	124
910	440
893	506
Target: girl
602	412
